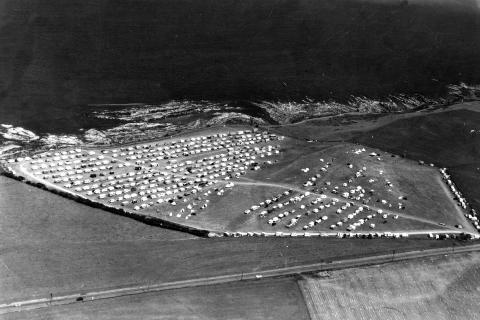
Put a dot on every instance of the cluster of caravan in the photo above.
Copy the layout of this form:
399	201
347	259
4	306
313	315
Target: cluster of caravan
297	206
274	202
72	168
153	153
180	177
312	181
462	202
315	203
148	175
358	192
354	193
313	206
363	235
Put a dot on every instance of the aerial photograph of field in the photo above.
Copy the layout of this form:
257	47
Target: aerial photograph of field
239	160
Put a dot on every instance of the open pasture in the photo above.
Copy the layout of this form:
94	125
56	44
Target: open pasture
257	299
49	245
448	139
244	181
340	184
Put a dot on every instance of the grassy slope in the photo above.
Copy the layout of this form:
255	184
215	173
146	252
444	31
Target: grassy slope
58	258
419	183
281	299
238	300
48	218
442	138
467	179
225	212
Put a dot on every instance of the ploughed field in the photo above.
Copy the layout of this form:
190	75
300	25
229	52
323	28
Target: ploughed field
245	181
429	288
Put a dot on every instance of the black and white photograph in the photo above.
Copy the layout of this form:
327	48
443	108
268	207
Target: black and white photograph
240	159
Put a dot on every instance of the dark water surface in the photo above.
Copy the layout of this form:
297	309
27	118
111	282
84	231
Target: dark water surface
57	56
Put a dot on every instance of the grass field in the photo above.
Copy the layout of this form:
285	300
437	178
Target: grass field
54	256
422	186
467	178
195	191
51	244
30	215
449	139
348	127
259	299
433	288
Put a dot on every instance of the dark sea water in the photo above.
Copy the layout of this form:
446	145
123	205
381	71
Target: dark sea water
57	56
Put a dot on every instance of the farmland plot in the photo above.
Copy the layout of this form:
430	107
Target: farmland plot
433	288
